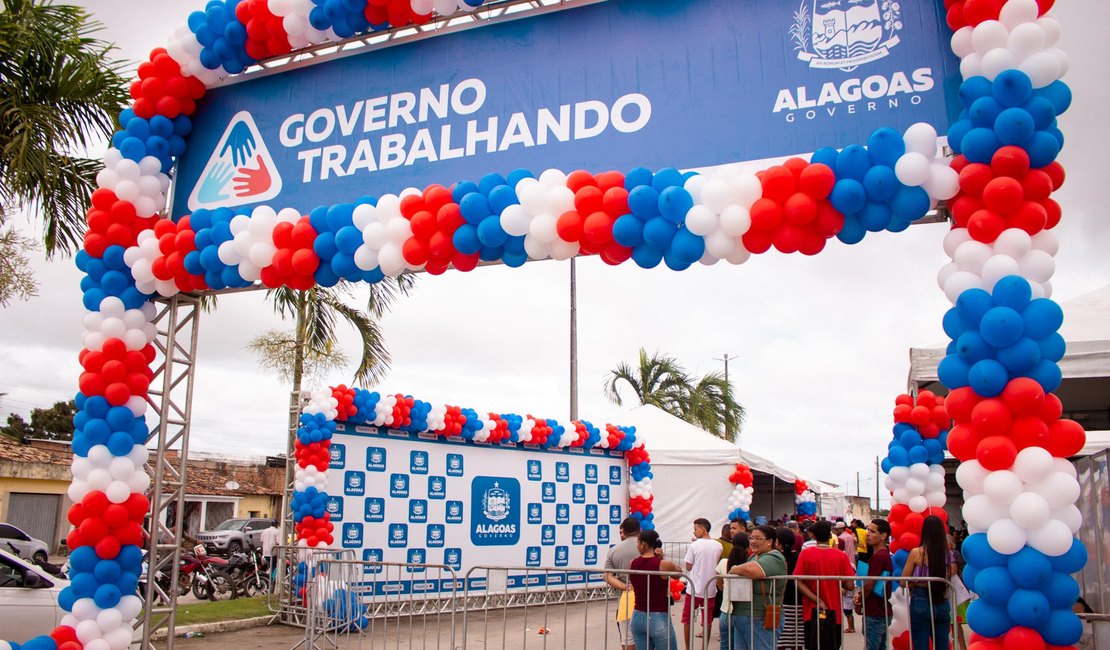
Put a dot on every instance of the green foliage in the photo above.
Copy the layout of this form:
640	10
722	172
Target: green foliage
54	423
17	281
660	381
60	92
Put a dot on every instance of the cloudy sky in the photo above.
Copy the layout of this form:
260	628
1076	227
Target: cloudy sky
820	345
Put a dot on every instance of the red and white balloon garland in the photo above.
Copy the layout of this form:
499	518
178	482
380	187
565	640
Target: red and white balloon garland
805	501
740	499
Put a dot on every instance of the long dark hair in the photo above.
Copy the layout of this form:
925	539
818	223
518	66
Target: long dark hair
739	552
786	540
650	538
934	547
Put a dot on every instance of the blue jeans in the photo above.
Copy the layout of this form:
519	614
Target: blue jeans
735	631
874	631
763	639
653	632
928	621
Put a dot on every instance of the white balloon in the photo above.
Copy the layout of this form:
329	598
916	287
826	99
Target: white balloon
970	476
959	282
130	606
1037	266
912	169
919	471
921	138
700	220
1059	489
919	504
87	631
972	255
515	219
109	619
1016	12
715	194
85	609
719	245
943	182
953	239
1043	68
1025	40
118	491
996	61
735	220
1062	466
915	487
980	513
1031	465
119	638
989	35
961	42
996	268
1030	510
1003	487
1070	516
1051	28
1006	537
1053	539
970	65
899	473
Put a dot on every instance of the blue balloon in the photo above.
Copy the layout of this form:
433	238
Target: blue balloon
1001	327
1042	148
674	203
954	324
973	304
647	256
994	584
628	231
853	231
974	88
643	201
848	195
1012	88
825	156
1027	607
910	203
980	144
1061	590
640	176
659	232
1029	568
489	182
461	189
1061	628
1042	111
988	620
875	216
1059	94
83	559
885	146
106	596
984	112
1052	347
474	208
1021	356
466	239
502	197
666	177
971	347
957	132
687	246
1012	291
1047	374
490	232
852	162
1014	126
1041	318
880	182
986	377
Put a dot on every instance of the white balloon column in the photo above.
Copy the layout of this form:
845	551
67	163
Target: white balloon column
740	500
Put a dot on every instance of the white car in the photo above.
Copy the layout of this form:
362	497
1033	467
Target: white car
28	599
27	546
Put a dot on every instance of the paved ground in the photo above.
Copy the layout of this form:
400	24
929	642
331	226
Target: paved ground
571	626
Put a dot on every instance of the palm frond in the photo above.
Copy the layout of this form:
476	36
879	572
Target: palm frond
375	357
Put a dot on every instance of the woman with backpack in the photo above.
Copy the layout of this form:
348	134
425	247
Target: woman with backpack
930	611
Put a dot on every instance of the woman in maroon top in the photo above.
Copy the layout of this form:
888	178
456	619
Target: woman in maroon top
651	620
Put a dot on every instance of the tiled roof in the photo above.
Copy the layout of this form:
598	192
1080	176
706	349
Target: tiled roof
19	453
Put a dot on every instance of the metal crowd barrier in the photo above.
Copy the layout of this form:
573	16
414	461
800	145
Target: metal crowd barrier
362	604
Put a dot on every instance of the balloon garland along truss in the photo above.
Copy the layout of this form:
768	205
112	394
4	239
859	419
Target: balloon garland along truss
740	499
1001	367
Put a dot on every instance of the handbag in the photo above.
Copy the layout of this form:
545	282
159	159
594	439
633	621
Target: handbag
772	615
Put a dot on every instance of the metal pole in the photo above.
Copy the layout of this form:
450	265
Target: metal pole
878	506
573	343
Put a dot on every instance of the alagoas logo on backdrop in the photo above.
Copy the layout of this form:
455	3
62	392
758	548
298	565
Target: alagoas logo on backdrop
603	534
591	555
562	514
532	556
614	514
375	509
535	513
375	459
338	456
547	535
562	556
437	487
354	484
352	535
591	473
548	493
614	475
398	535
577	534
416	556
562	472
591	513
603	494
436	535
418	462
535	470
844	34
399	486
454	512
454	465
418	511
240	170
335	508
579	493
372	555
495	511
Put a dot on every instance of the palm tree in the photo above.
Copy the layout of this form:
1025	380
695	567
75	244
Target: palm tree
660	381
59	93
317	312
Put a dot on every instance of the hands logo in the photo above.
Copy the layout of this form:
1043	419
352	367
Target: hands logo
240	170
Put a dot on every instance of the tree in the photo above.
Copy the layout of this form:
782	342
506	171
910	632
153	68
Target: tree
17	281
54	423
660	381
311	348
60	92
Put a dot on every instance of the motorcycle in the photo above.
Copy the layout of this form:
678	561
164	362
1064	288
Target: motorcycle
53	569
251	573
210	579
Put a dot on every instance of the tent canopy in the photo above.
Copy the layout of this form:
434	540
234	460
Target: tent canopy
1085	390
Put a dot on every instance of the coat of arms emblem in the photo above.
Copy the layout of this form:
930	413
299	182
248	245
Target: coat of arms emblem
845	34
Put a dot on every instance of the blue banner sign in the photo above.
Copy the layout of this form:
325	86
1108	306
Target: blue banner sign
612	85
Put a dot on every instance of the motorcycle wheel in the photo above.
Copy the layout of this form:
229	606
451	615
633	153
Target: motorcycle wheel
200	589
257	585
184	583
223	586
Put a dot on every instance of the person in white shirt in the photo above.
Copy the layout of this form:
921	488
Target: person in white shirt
271	539
701	565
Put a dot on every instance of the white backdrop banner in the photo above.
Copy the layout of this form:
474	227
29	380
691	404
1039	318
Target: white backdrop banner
401	497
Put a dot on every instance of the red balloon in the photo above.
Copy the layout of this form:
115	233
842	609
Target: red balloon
1066	438
1029	432
598	228
1022	638
1010	161
414	251
588	200
1052	409
1003	195
117	394
1030	217
996	453
615	200
977	11
579	179
569	226
991	417
817	180
766	215
778	184
107	548
902	412
985	226
974	178
920	415
960	403
800	209
1037	185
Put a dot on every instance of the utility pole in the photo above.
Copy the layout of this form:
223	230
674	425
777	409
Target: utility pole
728	434
573	344
877	507
857	484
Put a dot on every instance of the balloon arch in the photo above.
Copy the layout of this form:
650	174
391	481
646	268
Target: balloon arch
142	269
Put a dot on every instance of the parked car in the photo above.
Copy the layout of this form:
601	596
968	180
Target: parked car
235	535
29	547
28	599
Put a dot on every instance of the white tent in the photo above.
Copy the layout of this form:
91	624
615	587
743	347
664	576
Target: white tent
691	469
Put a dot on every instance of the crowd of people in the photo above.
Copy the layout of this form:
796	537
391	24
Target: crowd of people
763	585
